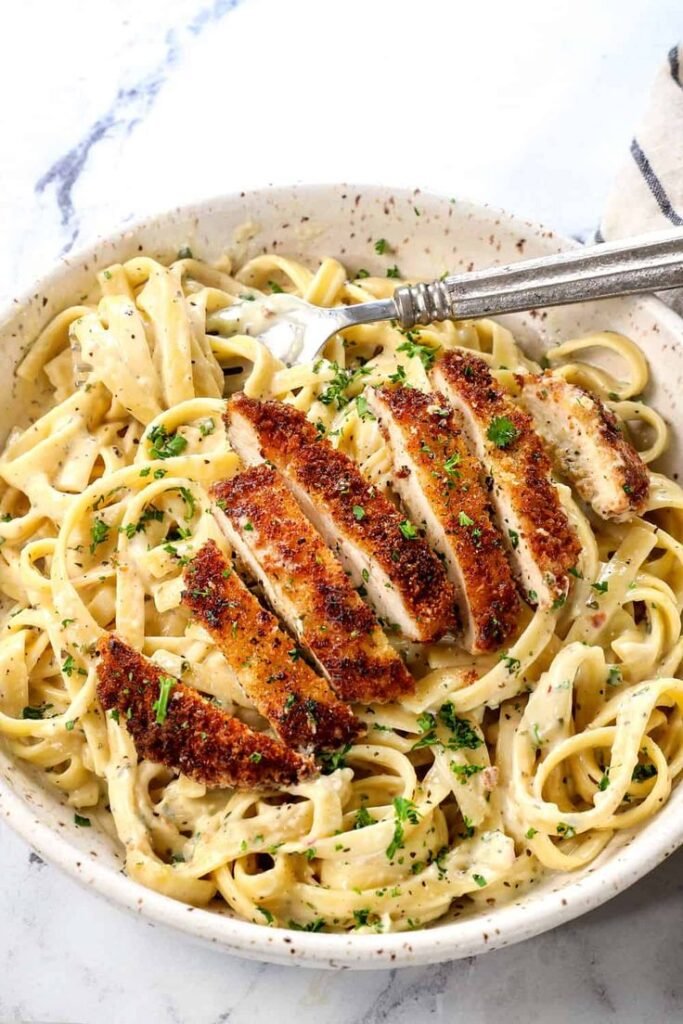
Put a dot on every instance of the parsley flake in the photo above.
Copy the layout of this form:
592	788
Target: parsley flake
502	431
407	529
99	531
425	353
160	705
165	445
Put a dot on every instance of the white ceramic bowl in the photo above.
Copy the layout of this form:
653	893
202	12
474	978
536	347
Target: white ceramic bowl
429	234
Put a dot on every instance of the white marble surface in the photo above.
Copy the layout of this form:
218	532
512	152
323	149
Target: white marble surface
118	108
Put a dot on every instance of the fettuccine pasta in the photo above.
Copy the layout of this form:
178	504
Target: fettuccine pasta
573	732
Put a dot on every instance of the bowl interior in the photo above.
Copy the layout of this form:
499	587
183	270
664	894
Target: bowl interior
428	234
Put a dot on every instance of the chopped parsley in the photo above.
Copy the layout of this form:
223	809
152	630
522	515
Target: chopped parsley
362	273
363	917
537	739
165	445
290	701
160	705
575	573
398	377
425	353
480	880
336	391
393	271
463	735
150	514
466	771
330	761
382	246
207	427
404	811
530	833
362	408
451	463
255	757
407	529
267	914
502	431
467	834
185	253
312	926
275	288
363	818
99	531
464	519
566	831
35	712
512	664
514	539
69	667
601	588
603	783
427	725
81	821
358	512
642	772
614	676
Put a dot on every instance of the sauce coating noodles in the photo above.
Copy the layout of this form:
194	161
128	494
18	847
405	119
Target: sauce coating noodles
498	769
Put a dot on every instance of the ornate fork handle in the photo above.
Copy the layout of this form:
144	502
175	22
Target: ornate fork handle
653	263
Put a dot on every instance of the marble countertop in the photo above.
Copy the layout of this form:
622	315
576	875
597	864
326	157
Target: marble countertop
119	108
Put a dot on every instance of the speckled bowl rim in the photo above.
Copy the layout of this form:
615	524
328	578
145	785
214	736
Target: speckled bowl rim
467	936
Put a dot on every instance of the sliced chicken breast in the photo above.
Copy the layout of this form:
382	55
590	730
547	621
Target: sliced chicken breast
587	446
299	704
404	580
307	587
440	483
541	543
172	724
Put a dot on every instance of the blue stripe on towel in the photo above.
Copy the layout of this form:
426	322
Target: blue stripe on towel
655	185
675	65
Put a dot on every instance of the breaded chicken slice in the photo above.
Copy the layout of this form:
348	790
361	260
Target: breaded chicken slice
404	580
299	704
172	724
541	543
307	587
587	446
440	483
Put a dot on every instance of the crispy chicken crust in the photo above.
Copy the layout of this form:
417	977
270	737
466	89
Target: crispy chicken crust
541	542
196	737
299	704
587	445
404	580
440	483
307	586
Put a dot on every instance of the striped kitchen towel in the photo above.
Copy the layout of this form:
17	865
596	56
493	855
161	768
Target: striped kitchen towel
648	193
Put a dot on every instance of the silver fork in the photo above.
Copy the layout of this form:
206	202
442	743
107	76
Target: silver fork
295	331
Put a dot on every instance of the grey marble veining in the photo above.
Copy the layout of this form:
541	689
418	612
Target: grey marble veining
119	108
